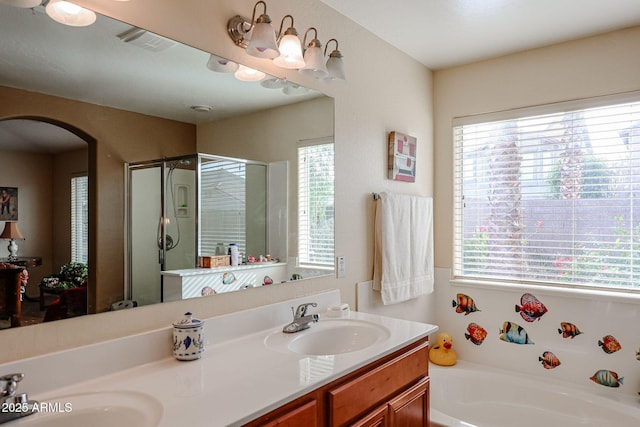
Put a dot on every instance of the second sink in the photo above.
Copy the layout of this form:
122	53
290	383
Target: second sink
330	336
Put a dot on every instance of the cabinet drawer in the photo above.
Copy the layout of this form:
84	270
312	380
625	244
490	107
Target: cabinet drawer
372	388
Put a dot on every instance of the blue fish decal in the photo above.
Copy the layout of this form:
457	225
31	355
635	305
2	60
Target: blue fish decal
513	333
607	378
228	278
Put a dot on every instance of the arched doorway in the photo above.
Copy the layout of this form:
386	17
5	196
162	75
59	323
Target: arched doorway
46	161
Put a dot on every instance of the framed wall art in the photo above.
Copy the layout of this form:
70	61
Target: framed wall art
8	203
402	157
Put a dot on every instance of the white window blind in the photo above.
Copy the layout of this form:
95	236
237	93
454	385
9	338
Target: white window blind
551	198
223	205
80	219
315	204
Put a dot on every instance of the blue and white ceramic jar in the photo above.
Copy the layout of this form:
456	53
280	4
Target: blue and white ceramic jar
188	338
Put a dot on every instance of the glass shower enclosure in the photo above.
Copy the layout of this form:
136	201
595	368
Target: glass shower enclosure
182	207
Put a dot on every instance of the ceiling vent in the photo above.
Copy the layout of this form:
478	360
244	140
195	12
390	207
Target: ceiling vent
146	40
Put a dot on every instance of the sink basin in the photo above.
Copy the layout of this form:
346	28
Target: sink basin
97	409
330	336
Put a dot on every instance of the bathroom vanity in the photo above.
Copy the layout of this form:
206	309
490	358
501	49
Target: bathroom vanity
392	391
349	368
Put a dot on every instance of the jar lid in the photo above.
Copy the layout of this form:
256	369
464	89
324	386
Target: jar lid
188	321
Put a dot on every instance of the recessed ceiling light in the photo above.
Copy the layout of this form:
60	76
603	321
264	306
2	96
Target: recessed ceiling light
202	108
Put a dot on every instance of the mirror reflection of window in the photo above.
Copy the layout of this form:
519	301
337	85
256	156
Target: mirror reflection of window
315	203
223	208
80	219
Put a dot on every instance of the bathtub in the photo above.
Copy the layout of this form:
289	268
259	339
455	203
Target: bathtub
472	395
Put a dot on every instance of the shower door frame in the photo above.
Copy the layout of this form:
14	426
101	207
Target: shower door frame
162	251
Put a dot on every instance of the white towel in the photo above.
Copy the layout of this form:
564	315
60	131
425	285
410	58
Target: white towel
403	263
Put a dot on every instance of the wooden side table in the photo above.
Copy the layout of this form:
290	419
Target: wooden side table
24	261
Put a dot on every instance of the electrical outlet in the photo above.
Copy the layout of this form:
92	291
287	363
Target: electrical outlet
341	269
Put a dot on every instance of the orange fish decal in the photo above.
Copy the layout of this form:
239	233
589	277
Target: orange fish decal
464	304
569	330
531	308
549	360
475	333
609	344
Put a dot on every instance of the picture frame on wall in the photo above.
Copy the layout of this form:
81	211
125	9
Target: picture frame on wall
8	203
402	157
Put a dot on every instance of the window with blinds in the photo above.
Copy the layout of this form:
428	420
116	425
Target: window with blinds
80	219
550	195
315	204
222	205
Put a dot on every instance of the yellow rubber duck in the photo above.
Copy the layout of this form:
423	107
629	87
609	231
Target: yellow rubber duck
442	353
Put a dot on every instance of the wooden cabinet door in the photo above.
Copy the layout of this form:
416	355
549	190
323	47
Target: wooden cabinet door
305	415
377	418
411	408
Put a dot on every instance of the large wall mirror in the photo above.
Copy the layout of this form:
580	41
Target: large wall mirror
80	105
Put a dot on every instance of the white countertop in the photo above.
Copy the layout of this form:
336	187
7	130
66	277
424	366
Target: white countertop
239	379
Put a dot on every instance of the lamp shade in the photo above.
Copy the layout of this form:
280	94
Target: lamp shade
290	53
335	66
221	65
22	3
247	74
263	39
314	63
71	14
11	231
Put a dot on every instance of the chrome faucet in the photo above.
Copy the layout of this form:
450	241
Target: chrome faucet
301	320
12	404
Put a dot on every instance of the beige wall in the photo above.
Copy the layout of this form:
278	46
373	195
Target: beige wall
120	137
386	91
272	136
600	65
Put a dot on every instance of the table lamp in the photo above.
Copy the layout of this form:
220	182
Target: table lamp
12	233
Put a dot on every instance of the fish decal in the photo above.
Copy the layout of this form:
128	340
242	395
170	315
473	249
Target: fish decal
609	344
475	333
513	333
228	278
549	360
568	330
607	378
464	304
531	308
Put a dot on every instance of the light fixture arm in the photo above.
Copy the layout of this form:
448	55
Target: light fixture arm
290	31
327	45
313	43
238	26
264	18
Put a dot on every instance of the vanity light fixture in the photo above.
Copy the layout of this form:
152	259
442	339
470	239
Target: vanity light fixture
221	65
262	40
335	65
68	13
290	48
314	57
259	39
247	74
